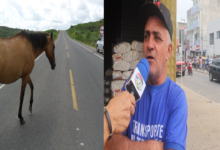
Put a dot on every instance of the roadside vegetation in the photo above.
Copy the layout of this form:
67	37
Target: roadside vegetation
87	33
55	33
8	32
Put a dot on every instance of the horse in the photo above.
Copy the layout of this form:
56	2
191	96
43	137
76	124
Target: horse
17	58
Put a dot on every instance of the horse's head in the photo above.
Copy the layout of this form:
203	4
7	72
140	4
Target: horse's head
50	51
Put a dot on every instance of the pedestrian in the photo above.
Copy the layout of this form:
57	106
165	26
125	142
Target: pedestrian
200	63
160	118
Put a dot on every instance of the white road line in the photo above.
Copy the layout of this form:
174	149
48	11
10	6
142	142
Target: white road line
35	60
202	83
39	56
82	46
98	55
2	86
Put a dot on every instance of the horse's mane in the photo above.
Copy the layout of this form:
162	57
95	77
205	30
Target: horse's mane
37	39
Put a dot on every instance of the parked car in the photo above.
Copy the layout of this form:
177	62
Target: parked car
214	71
178	65
100	44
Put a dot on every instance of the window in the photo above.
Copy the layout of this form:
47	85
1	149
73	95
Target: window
211	38
218	34
196	36
218	62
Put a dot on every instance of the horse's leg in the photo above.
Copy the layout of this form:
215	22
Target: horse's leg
32	90
23	86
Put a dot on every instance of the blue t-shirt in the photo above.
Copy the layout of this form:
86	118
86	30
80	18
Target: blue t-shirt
160	114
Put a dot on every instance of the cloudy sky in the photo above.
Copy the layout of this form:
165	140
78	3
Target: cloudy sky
60	14
182	7
49	14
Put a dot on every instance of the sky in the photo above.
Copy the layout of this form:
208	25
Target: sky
41	15
182	7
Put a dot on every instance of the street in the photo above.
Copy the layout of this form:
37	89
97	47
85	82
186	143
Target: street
67	110
199	83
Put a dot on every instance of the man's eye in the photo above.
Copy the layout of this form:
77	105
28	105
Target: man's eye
157	37
146	36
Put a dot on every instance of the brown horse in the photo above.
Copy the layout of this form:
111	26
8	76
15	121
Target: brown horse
17	57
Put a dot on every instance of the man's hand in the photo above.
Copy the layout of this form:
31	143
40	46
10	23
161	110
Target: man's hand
120	109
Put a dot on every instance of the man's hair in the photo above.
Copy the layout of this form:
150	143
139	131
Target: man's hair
168	38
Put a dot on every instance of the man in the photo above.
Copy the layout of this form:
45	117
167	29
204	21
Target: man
160	119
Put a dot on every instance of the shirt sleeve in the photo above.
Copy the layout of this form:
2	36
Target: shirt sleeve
176	131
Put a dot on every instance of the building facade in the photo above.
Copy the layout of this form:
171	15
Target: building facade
213	38
202	12
181	41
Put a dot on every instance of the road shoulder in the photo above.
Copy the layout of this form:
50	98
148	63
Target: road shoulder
203	121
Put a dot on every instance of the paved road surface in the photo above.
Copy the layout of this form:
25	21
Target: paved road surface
199	82
55	124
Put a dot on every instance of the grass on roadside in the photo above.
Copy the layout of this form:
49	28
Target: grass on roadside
87	33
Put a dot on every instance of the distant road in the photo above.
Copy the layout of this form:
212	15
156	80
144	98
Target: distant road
68	102
200	84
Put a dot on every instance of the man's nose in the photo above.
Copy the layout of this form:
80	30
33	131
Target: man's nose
150	45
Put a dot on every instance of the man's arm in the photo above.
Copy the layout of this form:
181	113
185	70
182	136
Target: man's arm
120	109
120	142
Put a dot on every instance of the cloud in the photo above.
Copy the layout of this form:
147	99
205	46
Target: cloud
38	15
182	7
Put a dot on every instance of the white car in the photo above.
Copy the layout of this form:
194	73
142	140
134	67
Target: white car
100	44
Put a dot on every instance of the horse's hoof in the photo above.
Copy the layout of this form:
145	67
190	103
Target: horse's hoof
30	109
22	121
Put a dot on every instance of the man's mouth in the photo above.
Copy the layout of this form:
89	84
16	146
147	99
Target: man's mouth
150	58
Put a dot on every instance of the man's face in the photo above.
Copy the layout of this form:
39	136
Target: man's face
157	48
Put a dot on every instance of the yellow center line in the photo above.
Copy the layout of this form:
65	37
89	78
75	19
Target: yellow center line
67	54
73	92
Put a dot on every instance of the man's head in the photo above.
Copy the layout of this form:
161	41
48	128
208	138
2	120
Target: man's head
157	37
157	45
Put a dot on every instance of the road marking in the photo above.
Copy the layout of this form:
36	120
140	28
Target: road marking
82	46
39	56
2	86
67	54
73	92
98	55
202	83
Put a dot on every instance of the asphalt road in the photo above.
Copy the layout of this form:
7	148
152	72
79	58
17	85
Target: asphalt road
54	123
199	83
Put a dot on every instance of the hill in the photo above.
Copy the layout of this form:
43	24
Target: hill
87	33
8	32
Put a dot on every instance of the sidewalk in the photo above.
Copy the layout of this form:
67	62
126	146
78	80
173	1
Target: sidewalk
203	122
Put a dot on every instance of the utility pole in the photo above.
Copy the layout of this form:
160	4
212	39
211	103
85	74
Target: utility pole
182	42
201	43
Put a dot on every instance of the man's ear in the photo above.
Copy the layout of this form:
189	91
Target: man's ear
169	51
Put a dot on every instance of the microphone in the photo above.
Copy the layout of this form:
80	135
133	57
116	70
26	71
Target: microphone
136	83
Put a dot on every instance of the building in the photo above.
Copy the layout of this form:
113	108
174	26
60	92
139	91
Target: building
202	12
181	33
213	38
